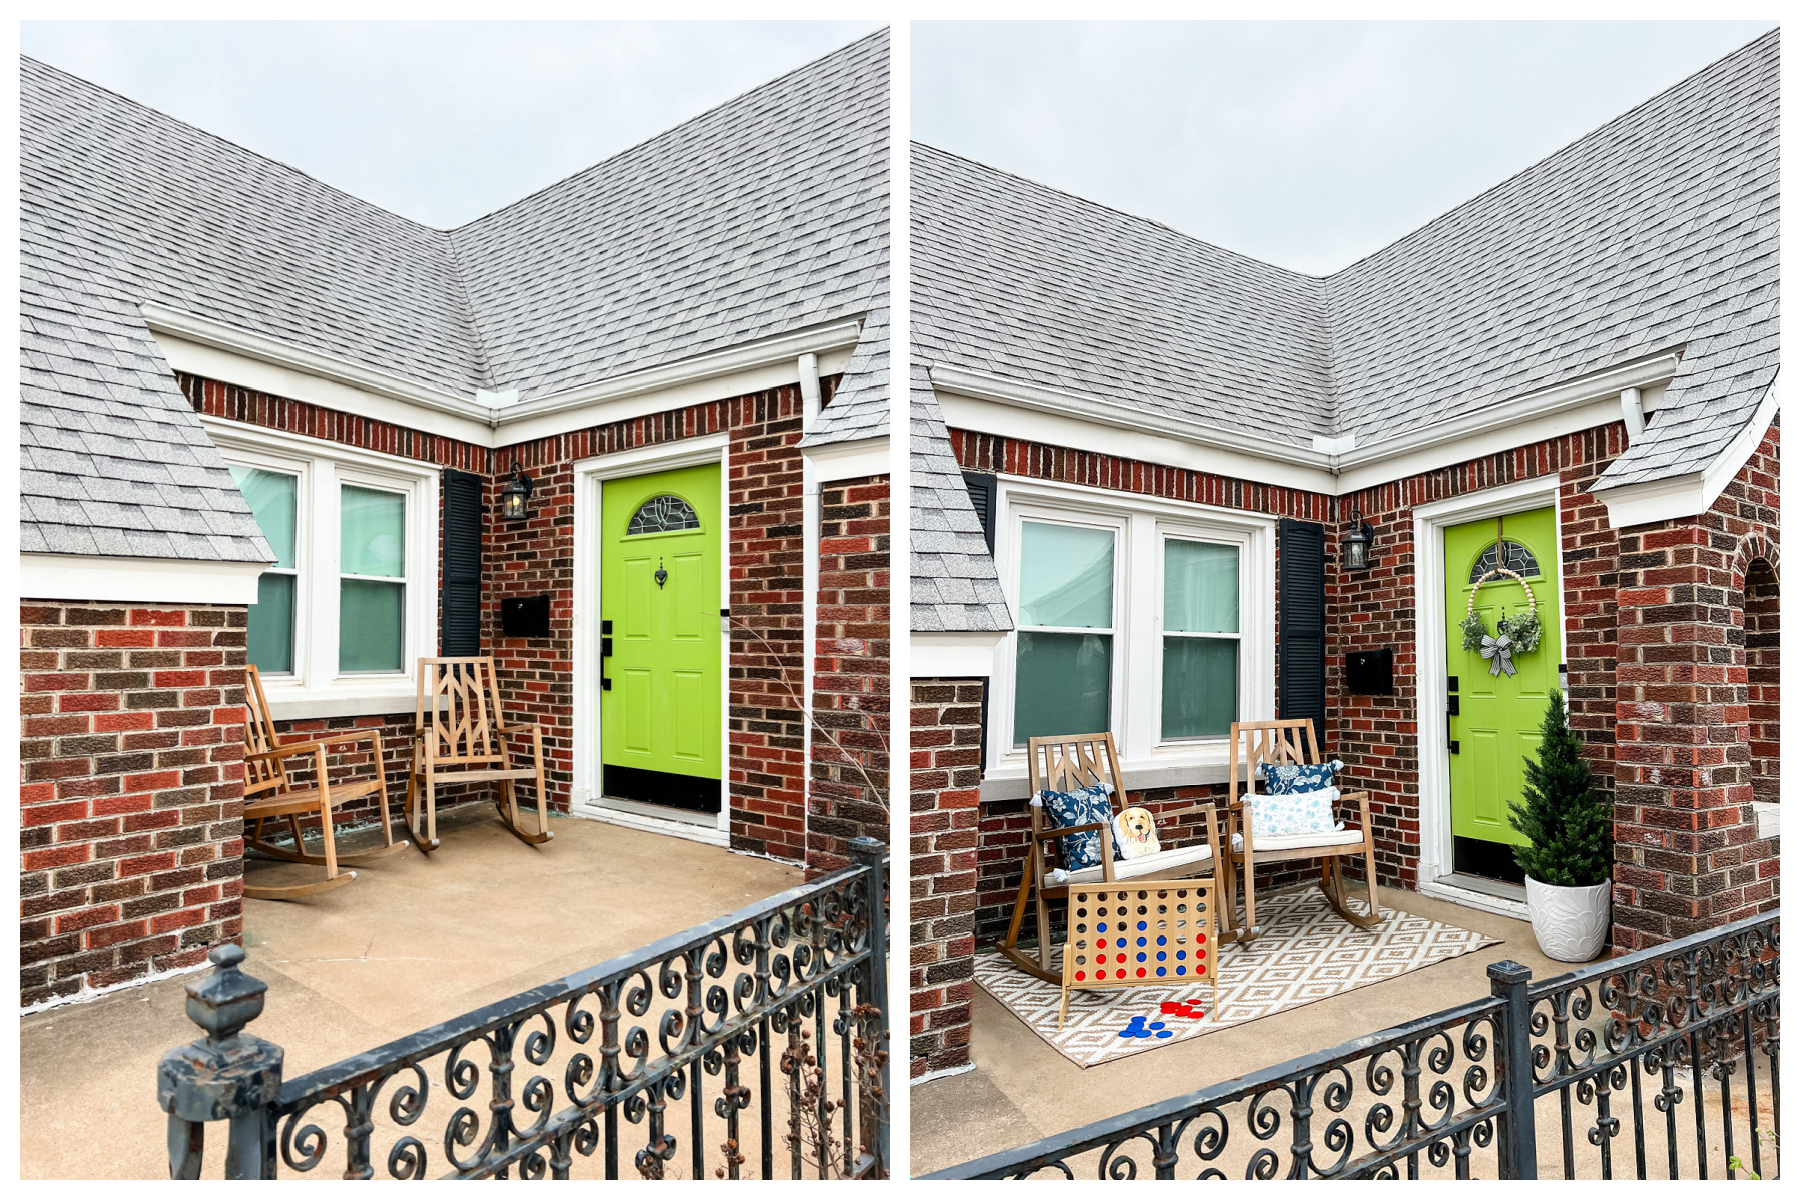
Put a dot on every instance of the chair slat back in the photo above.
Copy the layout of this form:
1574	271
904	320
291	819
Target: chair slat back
1264	743
265	774
1069	763
459	708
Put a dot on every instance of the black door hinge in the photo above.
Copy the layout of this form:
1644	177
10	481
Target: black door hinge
1455	746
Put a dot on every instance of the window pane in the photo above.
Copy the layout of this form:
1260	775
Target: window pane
374	530
270	496
1066	578
1200	587
1063	684
271	633
1199	686
369	625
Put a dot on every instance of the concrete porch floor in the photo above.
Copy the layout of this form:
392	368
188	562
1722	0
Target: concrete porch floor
413	941
1022	1089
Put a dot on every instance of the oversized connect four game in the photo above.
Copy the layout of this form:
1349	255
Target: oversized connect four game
1142	933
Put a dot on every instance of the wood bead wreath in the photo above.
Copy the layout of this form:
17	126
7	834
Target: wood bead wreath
1518	634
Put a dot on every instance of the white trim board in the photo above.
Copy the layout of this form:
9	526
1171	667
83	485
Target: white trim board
953	655
1330	466
860	459
590	473
1431	637
214	350
1686	495
82	577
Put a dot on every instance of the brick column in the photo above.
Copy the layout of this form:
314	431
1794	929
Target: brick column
851	690
768	667
131	793
946	795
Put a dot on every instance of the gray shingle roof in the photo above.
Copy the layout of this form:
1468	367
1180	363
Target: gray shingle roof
955	588
1657	232
764	216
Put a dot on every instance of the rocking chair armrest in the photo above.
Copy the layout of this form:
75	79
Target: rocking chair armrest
1193	808
1064	830
1358	801
314	745
517	726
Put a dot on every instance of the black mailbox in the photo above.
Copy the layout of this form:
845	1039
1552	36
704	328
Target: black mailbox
525	617
1370	672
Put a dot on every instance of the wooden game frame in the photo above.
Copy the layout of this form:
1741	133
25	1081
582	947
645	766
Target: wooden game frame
1164	944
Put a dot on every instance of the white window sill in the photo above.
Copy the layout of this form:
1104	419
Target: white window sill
1009	781
296	703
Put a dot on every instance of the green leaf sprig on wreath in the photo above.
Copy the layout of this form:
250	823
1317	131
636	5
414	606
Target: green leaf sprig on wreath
1520	633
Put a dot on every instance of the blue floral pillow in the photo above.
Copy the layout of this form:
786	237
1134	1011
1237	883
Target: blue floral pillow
1300	777
1281	813
1086	806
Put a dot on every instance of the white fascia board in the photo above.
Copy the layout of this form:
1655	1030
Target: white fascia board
1332	467
136	580
213	350
953	655
1004	419
1506	416
1687	495
850	460
1104	412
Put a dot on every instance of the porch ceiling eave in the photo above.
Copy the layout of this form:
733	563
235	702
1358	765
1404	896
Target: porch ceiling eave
849	460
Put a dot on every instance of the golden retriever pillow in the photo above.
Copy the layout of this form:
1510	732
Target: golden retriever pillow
1134	833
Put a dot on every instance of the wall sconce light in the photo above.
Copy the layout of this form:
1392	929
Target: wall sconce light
1357	543
514	495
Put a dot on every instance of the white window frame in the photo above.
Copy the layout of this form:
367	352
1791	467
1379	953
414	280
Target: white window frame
1170	531
1142	523
317	688
353	476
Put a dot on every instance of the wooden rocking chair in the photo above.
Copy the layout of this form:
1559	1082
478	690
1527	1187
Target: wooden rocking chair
269	793
1077	762
1270	743
461	738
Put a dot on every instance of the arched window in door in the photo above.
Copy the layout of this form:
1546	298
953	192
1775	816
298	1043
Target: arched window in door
1518	559
662	514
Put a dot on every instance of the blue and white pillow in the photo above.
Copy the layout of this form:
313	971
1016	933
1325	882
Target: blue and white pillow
1084	806
1301	777
1283	813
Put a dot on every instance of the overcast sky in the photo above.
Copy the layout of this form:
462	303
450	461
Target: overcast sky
442	121
1306	144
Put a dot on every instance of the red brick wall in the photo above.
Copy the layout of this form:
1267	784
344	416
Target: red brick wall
1689	855
766	772
946	790
850	673
131	792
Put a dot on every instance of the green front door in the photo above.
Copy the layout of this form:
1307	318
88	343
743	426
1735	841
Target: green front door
662	692
1495	718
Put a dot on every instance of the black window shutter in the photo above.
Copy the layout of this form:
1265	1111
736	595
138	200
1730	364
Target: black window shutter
982	490
461	595
1302	684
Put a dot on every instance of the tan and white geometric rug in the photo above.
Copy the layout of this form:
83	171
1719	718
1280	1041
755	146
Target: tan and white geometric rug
1306	953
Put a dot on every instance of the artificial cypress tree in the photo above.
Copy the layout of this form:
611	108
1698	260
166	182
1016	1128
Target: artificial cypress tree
1567	820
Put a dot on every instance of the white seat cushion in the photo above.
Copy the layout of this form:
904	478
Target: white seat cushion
1303	841
1149	866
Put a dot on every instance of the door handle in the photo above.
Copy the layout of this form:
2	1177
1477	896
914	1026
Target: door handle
605	647
1454	708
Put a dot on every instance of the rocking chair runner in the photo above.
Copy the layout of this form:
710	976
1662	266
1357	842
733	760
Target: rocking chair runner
461	738
269	793
1077	762
1271	743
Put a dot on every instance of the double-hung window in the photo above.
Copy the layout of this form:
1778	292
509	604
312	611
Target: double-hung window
1149	618
350	603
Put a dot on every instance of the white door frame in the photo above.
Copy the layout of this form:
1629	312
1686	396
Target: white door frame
585	798
1429	523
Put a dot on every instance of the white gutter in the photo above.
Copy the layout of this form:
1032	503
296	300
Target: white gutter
496	409
1631	400
811	507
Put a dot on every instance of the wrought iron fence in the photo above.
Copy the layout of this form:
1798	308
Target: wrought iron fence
779	1011
1465	1091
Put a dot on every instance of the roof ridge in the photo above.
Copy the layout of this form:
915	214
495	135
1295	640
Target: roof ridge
658	136
225	141
1684	81
1095	204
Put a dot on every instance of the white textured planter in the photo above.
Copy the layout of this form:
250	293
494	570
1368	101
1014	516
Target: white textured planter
1570	922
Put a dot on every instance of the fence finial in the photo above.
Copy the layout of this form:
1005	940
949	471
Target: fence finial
228	1075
